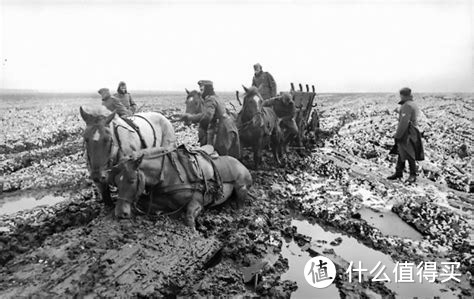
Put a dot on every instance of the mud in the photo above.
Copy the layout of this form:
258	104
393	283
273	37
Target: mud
323	201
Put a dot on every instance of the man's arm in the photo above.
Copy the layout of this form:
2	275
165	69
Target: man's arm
204	117
120	108
404	121
133	105
272	84
269	103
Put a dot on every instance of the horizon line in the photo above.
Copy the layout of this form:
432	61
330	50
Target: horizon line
138	91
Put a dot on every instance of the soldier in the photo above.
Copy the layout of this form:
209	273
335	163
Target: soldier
408	137
285	109
113	104
209	118
125	97
264	82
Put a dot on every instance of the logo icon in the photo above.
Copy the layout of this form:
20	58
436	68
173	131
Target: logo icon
320	272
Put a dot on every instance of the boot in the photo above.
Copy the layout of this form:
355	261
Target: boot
395	176
411	179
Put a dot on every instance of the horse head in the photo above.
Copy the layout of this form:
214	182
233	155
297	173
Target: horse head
252	105
194	102
130	182
98	141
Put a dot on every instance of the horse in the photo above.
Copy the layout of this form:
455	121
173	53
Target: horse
227	141
256	123
177	179
108	138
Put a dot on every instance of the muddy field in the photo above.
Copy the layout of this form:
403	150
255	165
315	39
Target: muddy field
330	199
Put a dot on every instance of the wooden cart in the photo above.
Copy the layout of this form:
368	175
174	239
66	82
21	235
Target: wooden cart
306	118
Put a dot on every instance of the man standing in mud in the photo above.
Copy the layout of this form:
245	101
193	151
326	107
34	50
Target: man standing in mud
407	138
211	115
264	82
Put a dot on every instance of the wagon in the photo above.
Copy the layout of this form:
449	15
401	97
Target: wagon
306	119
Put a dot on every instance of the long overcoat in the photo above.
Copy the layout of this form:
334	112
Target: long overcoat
408	137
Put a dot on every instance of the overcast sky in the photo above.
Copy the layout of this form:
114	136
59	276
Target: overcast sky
339	46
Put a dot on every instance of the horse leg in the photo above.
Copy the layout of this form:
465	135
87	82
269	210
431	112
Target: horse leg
276	147
234	147
202	136
257	148
192	211
105	194
241	195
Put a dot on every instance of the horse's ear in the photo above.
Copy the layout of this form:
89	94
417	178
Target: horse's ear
245	88
85	116
139	161
187	91
109	118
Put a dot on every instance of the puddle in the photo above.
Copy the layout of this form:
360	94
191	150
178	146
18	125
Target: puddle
390	224
351	250
13	203
296	262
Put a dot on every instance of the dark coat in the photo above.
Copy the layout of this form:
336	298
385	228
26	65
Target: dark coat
212	112
285	110
266	85
127	101
408	137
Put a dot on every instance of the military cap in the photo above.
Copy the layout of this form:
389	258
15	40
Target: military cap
205	82
405	92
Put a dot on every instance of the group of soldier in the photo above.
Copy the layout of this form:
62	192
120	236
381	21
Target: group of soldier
408	143
214	110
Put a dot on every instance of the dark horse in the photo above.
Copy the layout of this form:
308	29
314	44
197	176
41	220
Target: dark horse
108	138
227	140
177	179
256	124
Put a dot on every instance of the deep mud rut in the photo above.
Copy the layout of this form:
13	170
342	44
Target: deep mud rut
77	248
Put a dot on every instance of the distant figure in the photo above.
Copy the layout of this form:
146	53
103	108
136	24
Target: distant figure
408	137
208	119
113	104
285	109
264	82
125	97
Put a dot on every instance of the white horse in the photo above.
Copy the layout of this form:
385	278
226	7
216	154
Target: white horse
108	138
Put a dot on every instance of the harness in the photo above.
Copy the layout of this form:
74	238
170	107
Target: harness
115	150
258	118
197	186
152	128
